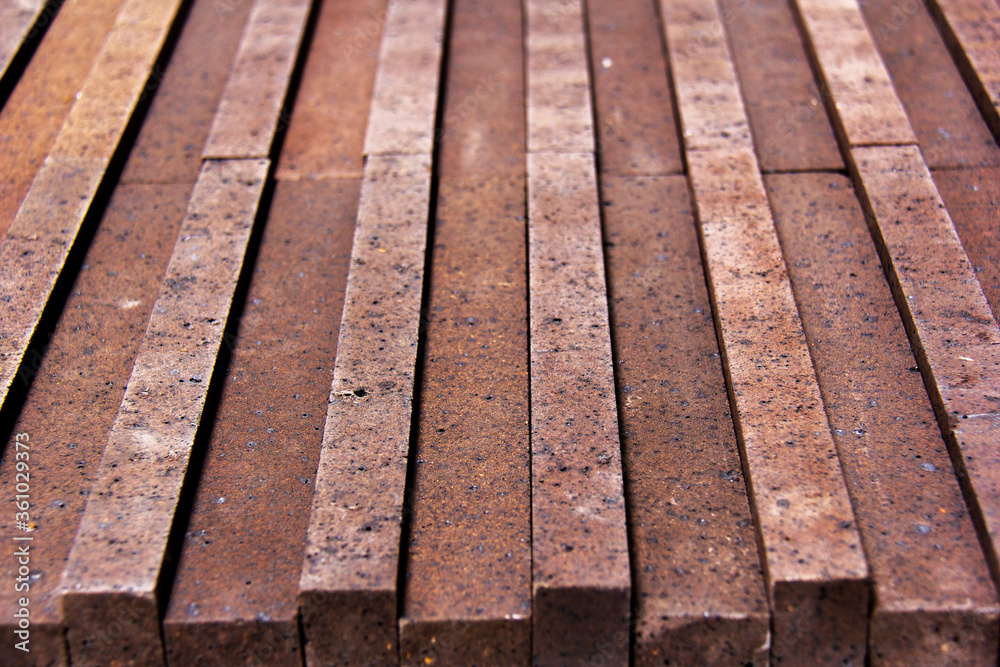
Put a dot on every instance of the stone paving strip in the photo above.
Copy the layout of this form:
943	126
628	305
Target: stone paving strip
405	99
934	598
814	563
349	586
78	384
580	560
43	232
699	592
972	29
234	598
467	596
245	124
950	323
118	557
18	18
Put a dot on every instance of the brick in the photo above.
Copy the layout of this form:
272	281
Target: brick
559	114
467	596
249	112
334	95
234	596
579	545
972	29
113	570
785	108
636	130
44	95
972	197
862	100
348	588
816	572
105	104
75	393
699	590
949	128
404	104
951	326
18	18
932	588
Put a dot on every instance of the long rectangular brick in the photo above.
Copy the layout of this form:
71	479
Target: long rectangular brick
348	591
105	104
17	18
699	591
45	228
344	48
404	103
45	93
933	595
119	551
76	389
470	496
951	326
559	114
814	563
862	101
943	112
234	596
972	29
784	105
636	131
250	110
580	554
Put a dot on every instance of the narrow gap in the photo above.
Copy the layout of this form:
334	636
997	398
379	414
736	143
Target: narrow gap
609	296
24	53
418	371
192	477
719	337
34	353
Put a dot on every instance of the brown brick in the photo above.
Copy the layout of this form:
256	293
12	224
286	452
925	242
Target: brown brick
866	109
234	597
250	109
348	588
699	590
951	326
579	544
560	119
945	119
933	595
334	96
635	124
113	570
404	103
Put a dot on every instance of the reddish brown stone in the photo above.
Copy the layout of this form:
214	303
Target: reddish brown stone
348	588
699	591
404	102
950	323
934	600
113	570
580	553
943	113
234	597
973	200
467	598
790	126
560	119
35	111
249	112
636	129
334	96
77	388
